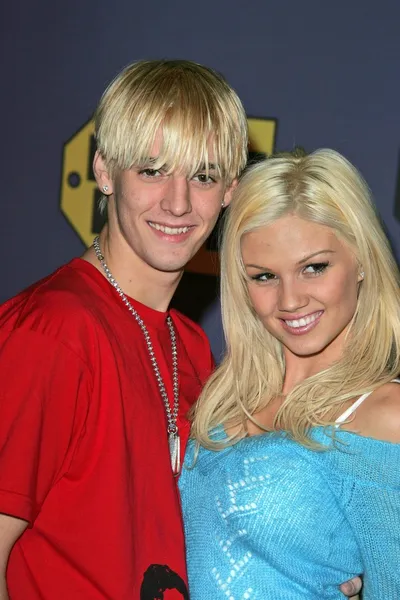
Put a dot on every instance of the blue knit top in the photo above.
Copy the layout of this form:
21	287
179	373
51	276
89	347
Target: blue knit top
270	519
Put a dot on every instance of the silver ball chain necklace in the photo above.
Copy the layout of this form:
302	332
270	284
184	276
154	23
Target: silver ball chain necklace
171	414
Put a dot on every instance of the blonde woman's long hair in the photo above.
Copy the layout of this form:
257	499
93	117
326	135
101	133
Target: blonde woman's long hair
324	188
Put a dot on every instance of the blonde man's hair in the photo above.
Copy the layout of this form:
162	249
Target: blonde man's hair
191	104
324	188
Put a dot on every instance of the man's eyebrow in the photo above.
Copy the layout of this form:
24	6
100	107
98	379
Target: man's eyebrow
306	258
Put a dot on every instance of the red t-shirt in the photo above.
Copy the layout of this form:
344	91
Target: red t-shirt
83	446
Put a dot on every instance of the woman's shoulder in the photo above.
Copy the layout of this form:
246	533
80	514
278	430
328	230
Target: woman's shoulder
379	415
367	446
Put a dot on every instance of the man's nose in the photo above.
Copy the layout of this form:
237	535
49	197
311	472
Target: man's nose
176	199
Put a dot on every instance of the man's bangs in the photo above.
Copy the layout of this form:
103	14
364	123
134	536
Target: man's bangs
180	152
189	154
200	133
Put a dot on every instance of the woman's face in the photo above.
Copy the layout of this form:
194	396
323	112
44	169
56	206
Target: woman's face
303	284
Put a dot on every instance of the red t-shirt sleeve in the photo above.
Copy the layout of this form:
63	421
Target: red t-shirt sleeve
43	403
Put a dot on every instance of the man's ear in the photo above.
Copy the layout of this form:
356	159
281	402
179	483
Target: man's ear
101	174
229	191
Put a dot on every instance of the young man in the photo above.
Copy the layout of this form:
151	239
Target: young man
97	374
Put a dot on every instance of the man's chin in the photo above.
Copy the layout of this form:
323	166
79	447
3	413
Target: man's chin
173	264
176	267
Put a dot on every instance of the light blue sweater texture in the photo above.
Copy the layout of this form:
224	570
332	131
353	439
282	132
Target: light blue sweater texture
269	519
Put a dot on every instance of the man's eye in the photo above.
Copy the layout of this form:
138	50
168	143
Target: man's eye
150	172
316	268
204	178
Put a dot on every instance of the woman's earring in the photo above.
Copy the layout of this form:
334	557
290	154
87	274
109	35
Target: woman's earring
362	274
105	189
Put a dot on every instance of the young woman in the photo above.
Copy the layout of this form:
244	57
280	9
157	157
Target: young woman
292	481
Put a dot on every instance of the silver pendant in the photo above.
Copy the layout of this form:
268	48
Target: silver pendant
174	442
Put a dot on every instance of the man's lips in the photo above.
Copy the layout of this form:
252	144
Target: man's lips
170	229
302	324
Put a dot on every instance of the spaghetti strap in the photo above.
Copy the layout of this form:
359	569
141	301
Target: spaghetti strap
349	411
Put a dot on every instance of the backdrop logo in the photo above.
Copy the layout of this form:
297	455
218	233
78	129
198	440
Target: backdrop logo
79	193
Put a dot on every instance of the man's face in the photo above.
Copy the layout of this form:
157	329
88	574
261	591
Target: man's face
163	218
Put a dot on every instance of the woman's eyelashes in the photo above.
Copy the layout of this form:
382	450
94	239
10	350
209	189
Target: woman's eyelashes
316	268
313	270
263	277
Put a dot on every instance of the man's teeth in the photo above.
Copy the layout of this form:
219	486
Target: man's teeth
303	321
169	230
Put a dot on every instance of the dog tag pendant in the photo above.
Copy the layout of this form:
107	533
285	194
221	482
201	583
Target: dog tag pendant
175	452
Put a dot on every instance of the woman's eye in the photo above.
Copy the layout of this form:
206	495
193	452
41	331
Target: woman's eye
316	268
264	277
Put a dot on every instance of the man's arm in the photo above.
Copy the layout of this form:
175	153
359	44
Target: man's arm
10	530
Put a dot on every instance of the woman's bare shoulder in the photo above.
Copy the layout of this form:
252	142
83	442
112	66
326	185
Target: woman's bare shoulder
379	416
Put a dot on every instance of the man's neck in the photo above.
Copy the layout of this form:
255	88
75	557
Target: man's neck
137	279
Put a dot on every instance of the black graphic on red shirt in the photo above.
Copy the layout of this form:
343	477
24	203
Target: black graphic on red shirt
158	579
